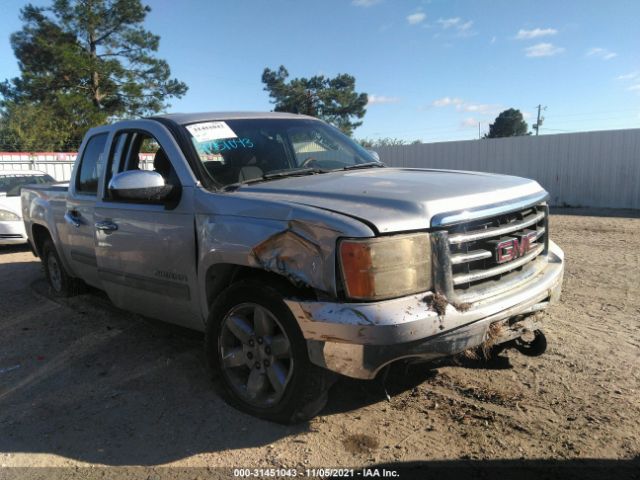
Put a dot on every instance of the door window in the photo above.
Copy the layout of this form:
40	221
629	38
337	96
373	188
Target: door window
141	151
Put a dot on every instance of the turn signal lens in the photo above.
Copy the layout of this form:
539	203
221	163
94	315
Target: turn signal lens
386	267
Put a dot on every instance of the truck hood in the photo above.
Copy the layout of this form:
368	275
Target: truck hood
396	199
11	204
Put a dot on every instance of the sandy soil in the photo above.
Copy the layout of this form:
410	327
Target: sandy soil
82	383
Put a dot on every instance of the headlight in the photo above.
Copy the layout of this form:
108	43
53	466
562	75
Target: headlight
6	216
386	267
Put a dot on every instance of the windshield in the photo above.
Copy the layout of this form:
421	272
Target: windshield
235	151
10	184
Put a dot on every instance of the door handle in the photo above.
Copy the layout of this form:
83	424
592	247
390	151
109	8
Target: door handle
71	217
106	227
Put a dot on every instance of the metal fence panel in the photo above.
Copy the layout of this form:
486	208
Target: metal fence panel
591	169
58	165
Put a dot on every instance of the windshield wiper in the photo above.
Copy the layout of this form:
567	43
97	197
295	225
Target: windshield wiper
293	173
275	175
363	165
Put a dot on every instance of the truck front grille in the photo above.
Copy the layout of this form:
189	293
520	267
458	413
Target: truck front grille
469	265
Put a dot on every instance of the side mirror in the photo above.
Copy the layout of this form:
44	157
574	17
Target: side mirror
374	154
140	185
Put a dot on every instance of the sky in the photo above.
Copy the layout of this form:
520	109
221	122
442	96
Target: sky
433	70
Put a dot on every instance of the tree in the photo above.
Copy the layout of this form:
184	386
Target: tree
509	123
385	142
29	127
331	99
87	62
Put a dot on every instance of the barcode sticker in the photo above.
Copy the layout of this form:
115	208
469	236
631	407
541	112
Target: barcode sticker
207	131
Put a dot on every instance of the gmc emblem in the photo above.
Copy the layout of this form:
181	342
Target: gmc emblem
509	249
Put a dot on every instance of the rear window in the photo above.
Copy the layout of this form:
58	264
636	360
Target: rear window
11	184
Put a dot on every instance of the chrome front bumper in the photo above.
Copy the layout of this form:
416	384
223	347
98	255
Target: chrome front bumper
358	339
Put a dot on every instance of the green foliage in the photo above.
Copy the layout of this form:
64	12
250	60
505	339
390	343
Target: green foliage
86	62
29	127
509	123
331	99
385	142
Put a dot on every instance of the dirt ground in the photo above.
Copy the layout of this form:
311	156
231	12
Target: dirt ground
82	383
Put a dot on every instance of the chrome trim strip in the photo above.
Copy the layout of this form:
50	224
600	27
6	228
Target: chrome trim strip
452	218
459	258
493	289
507	267
539	232
495	231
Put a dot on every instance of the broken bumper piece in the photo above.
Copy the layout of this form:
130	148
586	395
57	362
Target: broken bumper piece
359	339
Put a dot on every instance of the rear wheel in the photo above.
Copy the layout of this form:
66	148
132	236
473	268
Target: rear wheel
61	283
255	347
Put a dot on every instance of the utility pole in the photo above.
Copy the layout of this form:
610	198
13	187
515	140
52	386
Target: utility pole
540	119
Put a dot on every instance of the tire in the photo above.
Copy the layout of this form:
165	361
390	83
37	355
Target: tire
60	282
534	348
278	384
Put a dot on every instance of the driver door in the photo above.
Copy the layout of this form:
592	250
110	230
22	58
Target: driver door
146	249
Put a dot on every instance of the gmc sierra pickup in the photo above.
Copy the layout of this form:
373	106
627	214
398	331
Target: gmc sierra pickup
295	250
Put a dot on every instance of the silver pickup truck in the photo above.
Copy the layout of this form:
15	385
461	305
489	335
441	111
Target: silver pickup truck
295	250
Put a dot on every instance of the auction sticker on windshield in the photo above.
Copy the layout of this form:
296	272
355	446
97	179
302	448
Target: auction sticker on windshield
207	131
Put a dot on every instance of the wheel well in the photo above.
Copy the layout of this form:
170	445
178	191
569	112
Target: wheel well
39	235
221	276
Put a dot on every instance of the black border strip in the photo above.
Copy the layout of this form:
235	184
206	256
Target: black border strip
161	287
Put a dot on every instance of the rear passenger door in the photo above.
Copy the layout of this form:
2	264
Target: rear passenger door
78	230
147	261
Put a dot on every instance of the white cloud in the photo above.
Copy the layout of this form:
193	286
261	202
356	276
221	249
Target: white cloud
634	88
416	18
469	122
449	22
479	108
493	40
458	25
446	101
602	53
364	3
462	106
535	33
543	50
628	76
381	100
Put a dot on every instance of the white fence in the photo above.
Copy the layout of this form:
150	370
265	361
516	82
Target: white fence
594	169
58	165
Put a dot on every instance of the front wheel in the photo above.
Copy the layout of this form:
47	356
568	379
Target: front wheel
256	349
